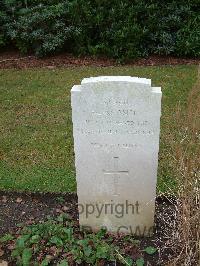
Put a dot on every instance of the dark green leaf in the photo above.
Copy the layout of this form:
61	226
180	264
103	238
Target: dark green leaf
20	243
129	261
87	251
26	256
15	253
150	250
45	262
101	233
35	239
56	240
6	238
68	232
140	262
63	263
101	252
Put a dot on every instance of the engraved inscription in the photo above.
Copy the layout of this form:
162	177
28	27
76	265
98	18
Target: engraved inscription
122	119
114	131
116	173
110	122
117	101
114	145
109	112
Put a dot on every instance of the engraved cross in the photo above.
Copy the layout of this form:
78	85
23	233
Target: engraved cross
116	173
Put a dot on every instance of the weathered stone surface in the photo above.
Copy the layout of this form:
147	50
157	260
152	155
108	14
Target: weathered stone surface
116	125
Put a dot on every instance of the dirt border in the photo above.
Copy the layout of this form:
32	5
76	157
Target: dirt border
13	60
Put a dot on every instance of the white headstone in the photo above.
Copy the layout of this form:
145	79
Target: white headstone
116	125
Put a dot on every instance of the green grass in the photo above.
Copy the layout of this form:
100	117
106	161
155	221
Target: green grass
36	144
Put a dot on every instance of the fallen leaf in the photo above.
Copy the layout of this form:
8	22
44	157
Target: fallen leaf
1	252
19	200
39	257
3	263
50	67
65	208
53	250
4	199
49	257
58	210
11	246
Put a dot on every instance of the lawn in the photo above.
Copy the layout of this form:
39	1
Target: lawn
36	144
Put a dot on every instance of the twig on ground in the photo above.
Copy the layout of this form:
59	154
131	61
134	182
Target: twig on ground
16	59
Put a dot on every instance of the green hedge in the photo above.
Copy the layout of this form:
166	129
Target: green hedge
119	29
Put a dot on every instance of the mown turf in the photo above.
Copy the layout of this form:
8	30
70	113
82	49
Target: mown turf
36	144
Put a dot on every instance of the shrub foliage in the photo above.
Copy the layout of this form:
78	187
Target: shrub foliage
119	29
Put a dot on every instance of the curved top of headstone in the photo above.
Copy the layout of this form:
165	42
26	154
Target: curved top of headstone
141	85
116	79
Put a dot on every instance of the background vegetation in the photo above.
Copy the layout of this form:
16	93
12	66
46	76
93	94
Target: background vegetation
119	29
